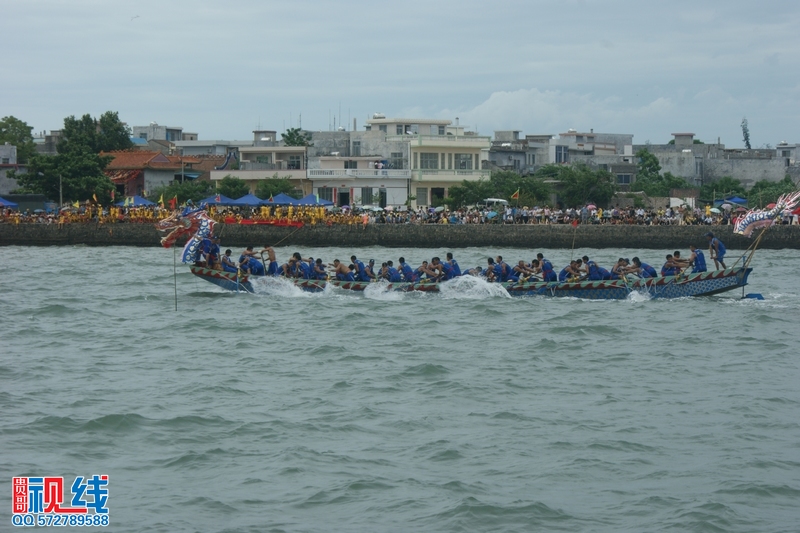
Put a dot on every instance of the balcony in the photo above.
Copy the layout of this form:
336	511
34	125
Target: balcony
335	173
264	174
453	176
451	141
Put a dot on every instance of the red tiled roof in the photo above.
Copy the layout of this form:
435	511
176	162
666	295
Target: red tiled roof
137	159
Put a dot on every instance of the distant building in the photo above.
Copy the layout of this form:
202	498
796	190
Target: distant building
138	171
8	161
154	131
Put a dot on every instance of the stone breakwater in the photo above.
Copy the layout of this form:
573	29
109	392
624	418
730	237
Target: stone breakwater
408	236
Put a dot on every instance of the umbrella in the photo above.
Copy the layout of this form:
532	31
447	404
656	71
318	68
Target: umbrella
591	206
375	208
345	207
38	210
388	208
740	209
439	209
491	214
770	206
715	210
726	207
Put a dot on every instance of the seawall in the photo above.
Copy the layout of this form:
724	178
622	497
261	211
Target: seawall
408	236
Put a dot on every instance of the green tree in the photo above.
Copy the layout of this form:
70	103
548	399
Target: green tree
470	192
745	133
648	166
232	187
79	172
766	192
194	190
16	132
112	133
723	187
296	137
580	185
273	186
105	134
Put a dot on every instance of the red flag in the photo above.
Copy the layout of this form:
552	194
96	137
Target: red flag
574	222
173	202
515	196
270	198
218	198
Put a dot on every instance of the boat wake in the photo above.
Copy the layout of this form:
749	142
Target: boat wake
380	291
274	286
639	296
471	288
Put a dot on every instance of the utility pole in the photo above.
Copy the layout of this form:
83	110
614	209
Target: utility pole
60	194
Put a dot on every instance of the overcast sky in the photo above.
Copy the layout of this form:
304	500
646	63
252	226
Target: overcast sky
221	69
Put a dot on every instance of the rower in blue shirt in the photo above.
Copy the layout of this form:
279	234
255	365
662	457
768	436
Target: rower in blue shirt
716	250
391	273
406	270
454	264
548	274
670	268
360	274
642	269
697	259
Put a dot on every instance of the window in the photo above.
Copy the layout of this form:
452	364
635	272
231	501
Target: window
350	164
441	130
143	136
463	161
450	161
6	160
356	148
396	160
366	195
325	193
442	167
295	162
415	160
429	161
264	159
531	160
786	153
434	130
623	179
562	154
399	129
422	196
382	127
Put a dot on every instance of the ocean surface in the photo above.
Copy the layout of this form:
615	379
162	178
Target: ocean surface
463	411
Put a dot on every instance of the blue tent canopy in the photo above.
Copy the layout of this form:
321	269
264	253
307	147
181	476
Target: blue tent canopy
312	199
282	199
7	203
135	201
212	200
249	199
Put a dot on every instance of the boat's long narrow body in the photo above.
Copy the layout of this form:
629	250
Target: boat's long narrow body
700	284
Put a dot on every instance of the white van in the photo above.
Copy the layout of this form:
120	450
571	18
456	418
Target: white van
496	204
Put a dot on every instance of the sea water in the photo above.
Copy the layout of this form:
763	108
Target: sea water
460	411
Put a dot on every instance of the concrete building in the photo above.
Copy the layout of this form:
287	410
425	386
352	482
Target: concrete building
264	158
8	161
163	133
440	154
138	171
701	163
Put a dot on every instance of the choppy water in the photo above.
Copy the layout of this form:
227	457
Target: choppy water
465	411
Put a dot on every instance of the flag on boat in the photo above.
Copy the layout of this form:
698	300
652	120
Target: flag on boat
515	196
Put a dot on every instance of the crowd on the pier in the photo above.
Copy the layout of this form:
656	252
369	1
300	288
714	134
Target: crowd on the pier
264	262
314	215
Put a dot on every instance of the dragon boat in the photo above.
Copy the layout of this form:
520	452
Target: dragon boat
700	284
198	226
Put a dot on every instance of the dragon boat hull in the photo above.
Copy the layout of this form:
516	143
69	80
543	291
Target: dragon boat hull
700	284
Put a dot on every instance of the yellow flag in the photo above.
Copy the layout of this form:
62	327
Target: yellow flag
76	204
161	200
95	197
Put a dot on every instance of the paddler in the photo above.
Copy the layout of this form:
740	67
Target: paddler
272	267
697	260
341	272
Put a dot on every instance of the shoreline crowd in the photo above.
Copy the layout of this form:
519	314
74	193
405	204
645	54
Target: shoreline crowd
315	215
